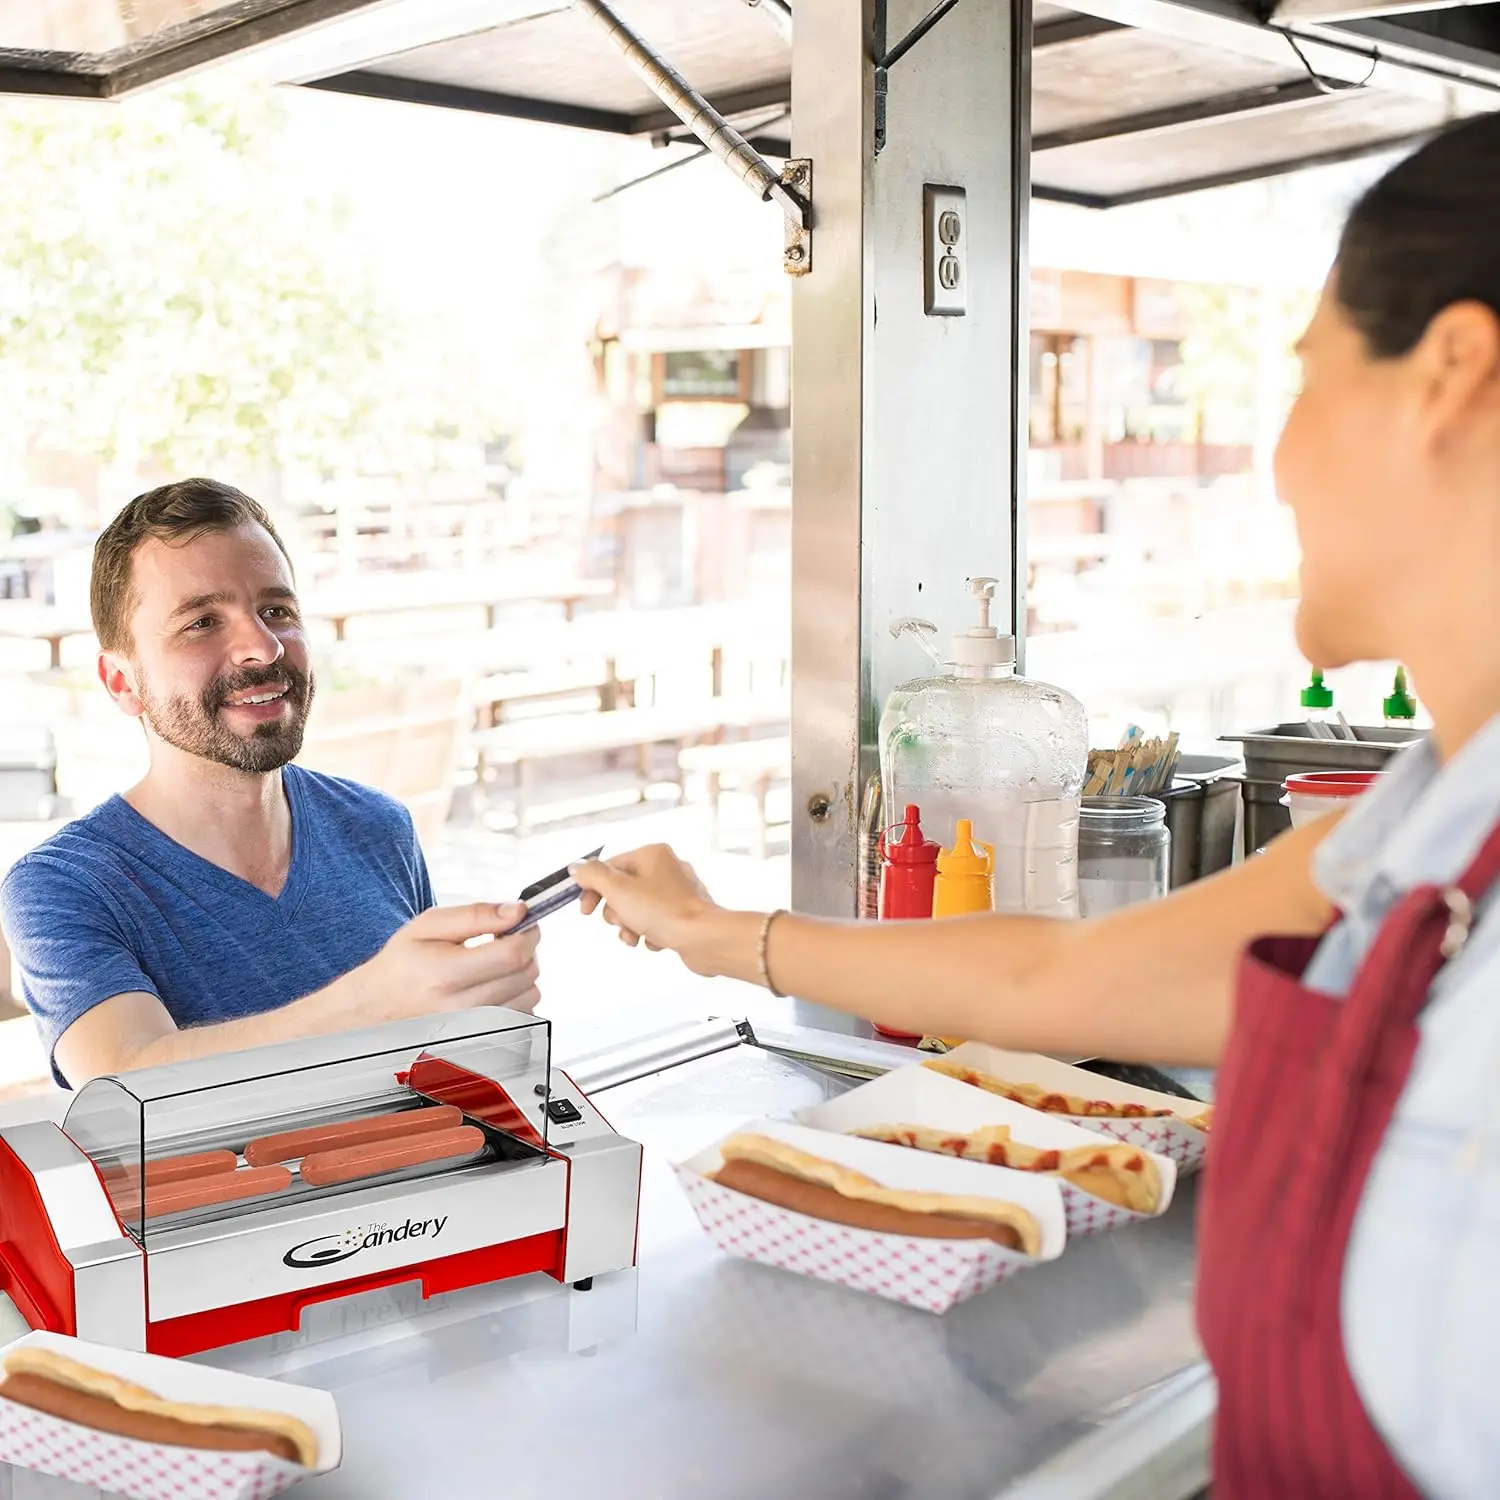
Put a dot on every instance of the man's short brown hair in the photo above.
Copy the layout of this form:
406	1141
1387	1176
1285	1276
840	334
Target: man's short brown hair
176	512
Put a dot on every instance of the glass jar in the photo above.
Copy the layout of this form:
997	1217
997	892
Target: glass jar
1124	853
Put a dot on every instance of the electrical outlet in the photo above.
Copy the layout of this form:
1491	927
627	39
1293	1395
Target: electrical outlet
945	228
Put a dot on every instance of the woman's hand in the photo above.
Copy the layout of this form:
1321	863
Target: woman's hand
653	897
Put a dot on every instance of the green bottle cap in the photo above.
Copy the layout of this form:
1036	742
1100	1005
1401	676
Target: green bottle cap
1401	704
1315	695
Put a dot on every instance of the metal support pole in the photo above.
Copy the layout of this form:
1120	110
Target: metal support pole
904	425
778	12
716	133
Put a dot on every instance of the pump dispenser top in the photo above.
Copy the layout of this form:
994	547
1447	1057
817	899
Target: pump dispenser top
982	646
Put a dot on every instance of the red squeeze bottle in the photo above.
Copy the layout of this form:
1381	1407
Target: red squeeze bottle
908	870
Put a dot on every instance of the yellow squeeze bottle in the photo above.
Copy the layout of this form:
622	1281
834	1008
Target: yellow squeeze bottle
965	875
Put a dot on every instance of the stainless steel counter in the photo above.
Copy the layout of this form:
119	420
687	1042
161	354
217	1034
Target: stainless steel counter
705	1377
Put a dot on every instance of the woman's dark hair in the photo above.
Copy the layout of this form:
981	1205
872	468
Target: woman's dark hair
1425	236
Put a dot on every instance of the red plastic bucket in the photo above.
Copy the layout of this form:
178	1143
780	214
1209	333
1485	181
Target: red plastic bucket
1313	794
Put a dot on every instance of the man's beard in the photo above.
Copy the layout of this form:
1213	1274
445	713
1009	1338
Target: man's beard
194	725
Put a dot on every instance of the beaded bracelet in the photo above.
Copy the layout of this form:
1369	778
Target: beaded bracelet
765	938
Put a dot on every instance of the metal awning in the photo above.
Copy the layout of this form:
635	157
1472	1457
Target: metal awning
1132	99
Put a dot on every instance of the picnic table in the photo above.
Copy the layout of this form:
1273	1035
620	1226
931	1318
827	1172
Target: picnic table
645	642
24	621
392	594
529	743
603	659
753	766
597	685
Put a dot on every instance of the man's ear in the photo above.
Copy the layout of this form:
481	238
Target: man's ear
118	677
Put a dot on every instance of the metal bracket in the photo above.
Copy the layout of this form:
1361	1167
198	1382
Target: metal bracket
886	58
716	133
796	178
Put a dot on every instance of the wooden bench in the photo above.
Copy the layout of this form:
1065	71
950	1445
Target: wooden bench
746	765
496	694
403	738
528	743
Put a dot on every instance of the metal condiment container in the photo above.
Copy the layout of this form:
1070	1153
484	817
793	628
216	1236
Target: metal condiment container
1271	755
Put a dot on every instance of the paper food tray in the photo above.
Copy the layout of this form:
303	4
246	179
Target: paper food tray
930	1274
153	1471
1172	1136
918	1096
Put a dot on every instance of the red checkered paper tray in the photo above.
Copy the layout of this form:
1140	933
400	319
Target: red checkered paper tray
1171	1135
153	1471
918	1096
930	1274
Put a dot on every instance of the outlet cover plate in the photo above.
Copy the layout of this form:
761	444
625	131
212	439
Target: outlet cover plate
945	257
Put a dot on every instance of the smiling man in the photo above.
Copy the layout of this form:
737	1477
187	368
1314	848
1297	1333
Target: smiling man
230	898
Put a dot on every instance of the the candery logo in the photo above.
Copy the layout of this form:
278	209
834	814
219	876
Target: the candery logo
330	1248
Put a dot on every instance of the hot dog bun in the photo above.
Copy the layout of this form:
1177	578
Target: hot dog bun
1118	1174
47	1381
1034	1096
765	1168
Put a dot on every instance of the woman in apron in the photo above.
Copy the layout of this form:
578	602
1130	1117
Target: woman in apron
1352	1198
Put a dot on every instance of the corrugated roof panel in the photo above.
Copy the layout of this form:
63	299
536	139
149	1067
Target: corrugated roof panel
1126	72
562	58
1132	166
96	36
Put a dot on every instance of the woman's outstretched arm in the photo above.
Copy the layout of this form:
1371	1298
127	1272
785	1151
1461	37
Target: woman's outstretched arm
1152	983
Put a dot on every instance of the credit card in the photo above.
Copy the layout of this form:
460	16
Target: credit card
551	893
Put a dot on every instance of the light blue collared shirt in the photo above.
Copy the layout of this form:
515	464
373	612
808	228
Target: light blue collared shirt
1421	1296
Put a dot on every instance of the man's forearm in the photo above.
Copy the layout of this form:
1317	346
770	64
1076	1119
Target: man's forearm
336	1007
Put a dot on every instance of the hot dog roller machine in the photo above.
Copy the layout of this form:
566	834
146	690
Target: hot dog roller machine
190	1206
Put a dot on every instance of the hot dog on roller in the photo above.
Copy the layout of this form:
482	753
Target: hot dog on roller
775	1172
289	1145
1118	1174
50	1382
1049	1101
205	1191
166	1169
375	1158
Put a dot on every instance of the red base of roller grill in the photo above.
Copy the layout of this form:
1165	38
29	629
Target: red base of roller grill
41	1281
253	1320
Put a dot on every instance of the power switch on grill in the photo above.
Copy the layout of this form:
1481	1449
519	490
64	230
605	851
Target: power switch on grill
563	1112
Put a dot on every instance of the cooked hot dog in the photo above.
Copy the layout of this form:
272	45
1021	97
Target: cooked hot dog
765	1168
205	1192
178	1168
62	1387
289	1145
374	1159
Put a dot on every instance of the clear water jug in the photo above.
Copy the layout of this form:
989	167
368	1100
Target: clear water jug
1006	752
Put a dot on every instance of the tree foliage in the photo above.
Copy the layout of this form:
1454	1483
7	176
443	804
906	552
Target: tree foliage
1240	354
171	294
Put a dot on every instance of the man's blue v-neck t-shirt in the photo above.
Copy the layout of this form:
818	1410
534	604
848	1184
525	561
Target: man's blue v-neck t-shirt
110	904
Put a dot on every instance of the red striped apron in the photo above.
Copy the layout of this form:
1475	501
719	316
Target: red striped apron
1305	1094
